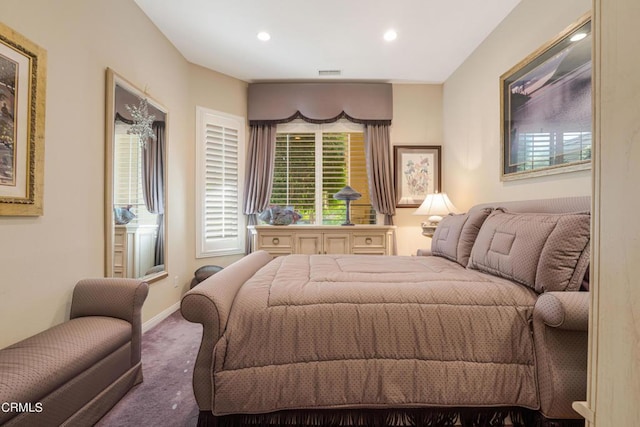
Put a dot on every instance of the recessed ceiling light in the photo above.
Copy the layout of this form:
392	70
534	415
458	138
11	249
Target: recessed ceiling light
578	36
390	35
264	36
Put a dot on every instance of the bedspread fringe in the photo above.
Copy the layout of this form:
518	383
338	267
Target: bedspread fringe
418	417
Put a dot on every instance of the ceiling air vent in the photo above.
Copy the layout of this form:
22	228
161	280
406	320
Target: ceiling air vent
325	73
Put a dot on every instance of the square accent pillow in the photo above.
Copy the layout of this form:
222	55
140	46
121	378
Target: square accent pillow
547	252
455	235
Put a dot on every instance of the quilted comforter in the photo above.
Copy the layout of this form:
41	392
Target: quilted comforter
327	331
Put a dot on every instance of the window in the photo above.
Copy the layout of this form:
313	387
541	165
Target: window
127	177
315	162
220	148
543	149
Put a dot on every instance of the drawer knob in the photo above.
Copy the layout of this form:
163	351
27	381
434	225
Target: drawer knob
275	241
368	240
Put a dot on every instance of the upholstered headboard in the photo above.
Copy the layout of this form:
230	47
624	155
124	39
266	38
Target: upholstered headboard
559	205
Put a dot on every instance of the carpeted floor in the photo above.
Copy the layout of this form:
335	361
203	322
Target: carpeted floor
165	397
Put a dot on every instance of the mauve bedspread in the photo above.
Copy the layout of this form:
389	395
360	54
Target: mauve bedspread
327	331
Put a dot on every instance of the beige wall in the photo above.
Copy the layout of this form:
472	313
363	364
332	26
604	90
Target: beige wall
463	116
42	258
472	109
218	92
417	120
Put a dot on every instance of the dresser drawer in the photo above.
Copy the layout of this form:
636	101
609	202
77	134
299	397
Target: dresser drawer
369	241
275	241
281	240
119	238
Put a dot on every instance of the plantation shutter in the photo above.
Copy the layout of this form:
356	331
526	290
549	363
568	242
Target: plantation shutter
335	175
537	149
221	222
344	163
541	149
221	181
294	179
127	177
311	166
127	188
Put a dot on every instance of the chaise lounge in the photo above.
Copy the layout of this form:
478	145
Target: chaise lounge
73	373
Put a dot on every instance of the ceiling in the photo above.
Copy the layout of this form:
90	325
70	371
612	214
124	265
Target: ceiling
433	36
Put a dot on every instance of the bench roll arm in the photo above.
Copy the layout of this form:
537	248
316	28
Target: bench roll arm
113	297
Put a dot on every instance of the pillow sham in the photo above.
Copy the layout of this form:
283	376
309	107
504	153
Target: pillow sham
547	252
455	235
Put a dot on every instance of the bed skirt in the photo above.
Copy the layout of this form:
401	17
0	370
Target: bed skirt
416	417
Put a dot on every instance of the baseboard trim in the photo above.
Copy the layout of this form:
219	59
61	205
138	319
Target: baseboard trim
151	323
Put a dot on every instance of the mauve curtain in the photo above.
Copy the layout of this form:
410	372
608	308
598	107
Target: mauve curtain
153	183
380	171
258	181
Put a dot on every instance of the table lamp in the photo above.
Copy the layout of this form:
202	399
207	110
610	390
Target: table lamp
347	194
435	206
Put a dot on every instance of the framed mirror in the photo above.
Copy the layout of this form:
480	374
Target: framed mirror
135	191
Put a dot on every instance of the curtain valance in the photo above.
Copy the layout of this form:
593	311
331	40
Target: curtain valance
366	103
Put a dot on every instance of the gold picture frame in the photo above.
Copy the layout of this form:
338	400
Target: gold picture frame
23	68
546	108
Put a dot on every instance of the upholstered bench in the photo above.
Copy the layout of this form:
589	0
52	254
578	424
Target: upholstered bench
73	373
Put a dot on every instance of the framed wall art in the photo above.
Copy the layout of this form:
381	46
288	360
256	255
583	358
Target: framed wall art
545	108
417	173
23	67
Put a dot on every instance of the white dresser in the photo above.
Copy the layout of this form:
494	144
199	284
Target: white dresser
323	239
133	249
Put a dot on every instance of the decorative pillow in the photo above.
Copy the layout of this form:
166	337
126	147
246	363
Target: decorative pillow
547	252
275	215
455	235
123	215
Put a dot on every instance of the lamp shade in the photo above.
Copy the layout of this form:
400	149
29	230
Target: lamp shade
347	193
436	204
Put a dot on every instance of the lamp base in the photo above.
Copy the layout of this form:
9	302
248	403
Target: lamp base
429	227
347	220
428	230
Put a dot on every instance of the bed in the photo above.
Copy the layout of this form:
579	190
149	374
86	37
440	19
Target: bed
423	340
